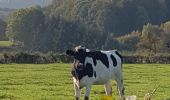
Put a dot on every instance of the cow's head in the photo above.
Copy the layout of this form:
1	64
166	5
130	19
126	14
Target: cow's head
79	53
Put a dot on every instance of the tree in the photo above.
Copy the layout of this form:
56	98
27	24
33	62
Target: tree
166	36
2	30
167	3
26	26
111	43
128	42
130	16
150	40
94	23
155	10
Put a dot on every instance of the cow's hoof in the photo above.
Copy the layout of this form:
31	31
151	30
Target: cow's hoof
77	98
86	98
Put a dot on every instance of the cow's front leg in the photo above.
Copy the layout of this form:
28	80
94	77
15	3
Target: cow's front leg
77	91
88	89
108	88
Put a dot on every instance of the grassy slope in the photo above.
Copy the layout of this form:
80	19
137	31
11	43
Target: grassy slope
53	82
5	43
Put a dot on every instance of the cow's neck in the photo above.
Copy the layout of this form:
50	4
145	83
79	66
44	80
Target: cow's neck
77	62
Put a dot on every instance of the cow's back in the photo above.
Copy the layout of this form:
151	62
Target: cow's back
105	70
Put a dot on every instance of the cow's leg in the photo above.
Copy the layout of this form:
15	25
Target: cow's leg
108	88
120	85
88	89
77	91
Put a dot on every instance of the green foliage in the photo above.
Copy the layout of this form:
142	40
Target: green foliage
129	42
97	24
25	26
116	16
53	81
166	36
150	39
154	39
100	19
111	43
2	30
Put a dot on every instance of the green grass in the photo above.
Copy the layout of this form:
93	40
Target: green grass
54	82
6	43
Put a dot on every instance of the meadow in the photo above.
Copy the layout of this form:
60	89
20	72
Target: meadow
6	43
54	82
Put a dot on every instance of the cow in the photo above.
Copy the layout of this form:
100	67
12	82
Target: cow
96	67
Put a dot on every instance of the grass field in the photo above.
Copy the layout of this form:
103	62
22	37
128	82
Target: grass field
5	43
54	82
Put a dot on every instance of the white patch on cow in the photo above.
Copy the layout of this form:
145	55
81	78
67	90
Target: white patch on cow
87	50
80	47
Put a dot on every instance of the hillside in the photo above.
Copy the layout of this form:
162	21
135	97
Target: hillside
16	4
4	13
7	6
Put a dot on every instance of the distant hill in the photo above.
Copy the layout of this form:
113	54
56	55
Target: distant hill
7	6
4	13
16	4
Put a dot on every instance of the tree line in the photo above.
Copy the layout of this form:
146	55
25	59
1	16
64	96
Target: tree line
138	26
42	58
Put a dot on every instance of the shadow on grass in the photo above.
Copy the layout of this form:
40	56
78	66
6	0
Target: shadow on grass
168	98
7	96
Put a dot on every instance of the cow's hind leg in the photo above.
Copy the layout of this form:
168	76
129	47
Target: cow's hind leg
108	88
120	85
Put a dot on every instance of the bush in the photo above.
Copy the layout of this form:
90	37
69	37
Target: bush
40	58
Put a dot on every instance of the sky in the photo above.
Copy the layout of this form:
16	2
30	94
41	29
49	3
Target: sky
16	4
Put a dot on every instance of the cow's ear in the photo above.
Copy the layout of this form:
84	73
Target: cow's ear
70	52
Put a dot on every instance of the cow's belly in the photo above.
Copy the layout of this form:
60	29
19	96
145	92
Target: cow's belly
100	82
104	76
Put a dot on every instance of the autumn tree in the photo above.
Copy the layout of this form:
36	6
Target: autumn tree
150	41
165	35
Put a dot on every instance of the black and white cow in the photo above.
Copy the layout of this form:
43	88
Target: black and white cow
96	67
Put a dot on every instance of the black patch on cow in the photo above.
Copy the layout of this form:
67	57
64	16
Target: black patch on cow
80	70
121	57
94	73
98	55
94	61
113	60
89	70
80	56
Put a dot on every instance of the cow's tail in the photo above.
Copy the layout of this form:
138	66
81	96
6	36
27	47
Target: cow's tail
121	57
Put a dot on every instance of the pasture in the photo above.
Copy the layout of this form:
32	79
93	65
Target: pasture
54	82
6	43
